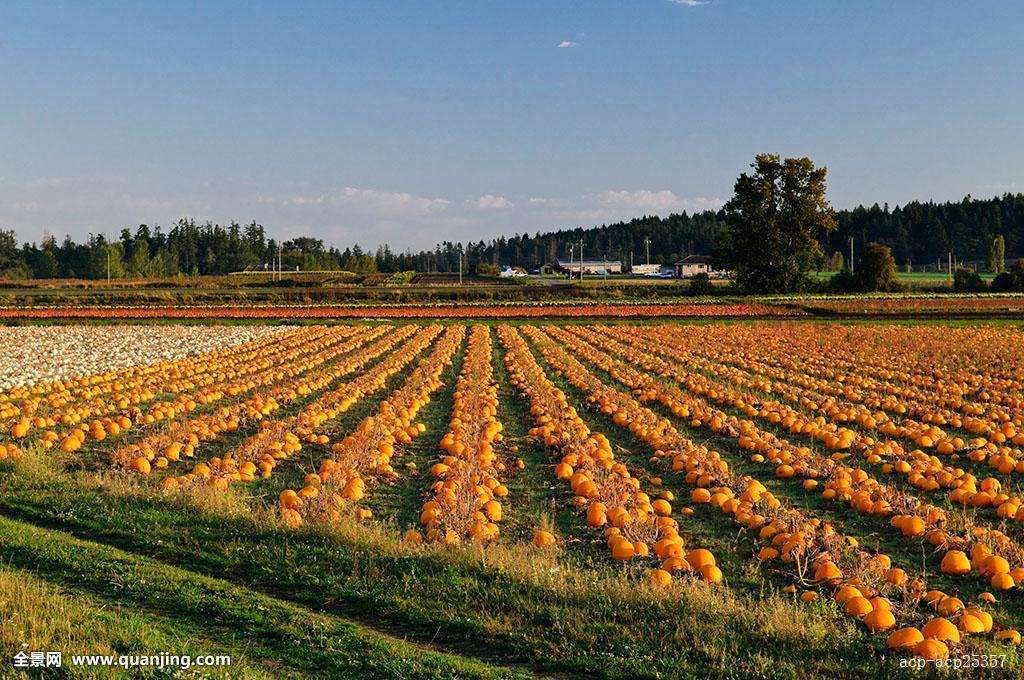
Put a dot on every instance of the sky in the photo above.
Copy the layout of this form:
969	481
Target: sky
420	121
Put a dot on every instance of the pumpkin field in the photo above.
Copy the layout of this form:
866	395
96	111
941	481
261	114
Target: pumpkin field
754	498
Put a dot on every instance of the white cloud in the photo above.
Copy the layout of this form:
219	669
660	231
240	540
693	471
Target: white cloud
544	213
492	202
390	203
567	43
658	201
690	3
339	215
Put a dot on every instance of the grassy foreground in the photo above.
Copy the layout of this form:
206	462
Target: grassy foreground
91	564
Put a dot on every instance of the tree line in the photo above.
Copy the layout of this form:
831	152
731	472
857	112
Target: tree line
917	233
187	248
779	223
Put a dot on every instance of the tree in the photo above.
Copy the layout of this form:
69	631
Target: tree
113	261
837	262
139	265
47	266
997	254
12	264
8	249
774	222
106	257
876	270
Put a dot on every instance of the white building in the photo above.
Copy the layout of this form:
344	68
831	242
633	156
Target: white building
691	265
598	267
512	272
646	269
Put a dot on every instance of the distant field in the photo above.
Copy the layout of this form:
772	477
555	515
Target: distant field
917	279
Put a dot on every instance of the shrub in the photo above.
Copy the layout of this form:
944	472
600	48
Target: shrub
701	284
1003	283
487	269
1018	275
968	281
843	282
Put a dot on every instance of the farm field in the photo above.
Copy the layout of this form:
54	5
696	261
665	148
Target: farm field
908	306
773	498
710	308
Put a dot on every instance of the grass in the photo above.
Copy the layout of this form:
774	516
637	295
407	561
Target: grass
916	280
158	607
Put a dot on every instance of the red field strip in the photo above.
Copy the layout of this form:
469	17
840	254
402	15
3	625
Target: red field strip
580	310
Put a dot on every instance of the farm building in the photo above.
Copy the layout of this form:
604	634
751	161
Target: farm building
691	265
599	267
660	270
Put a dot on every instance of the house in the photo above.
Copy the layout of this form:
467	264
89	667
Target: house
691	265
598	267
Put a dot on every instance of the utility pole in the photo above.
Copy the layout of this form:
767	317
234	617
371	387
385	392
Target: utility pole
851	253
647	243
108	264
460	264
581	260
571	247
950	271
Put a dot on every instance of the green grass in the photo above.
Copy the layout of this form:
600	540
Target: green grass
159	607
507	605
927	280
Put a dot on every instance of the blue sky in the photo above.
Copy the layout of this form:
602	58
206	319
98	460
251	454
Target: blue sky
414	122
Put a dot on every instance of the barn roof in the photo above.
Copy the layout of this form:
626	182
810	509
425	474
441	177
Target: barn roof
695	259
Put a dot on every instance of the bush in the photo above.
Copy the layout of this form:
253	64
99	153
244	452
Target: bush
1003	283
876	273
487	269
701	284
843	282
1018	275
401	278
968	281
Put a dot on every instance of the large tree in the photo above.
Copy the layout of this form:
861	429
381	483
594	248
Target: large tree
775	219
